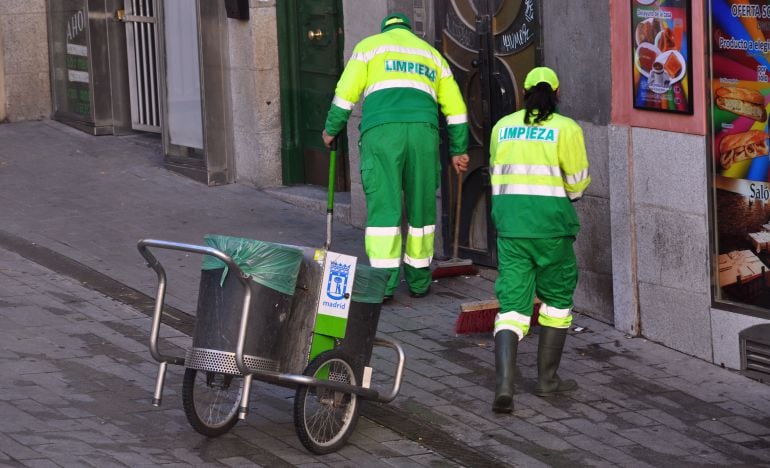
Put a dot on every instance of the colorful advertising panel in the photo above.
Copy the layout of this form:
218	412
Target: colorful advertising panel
660	46
740	45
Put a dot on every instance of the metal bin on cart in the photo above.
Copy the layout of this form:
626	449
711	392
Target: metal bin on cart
272	270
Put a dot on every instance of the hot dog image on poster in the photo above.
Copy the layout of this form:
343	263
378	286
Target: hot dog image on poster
660	31
739	127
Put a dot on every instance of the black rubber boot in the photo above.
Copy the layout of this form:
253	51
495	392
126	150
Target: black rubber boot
506	345
549	350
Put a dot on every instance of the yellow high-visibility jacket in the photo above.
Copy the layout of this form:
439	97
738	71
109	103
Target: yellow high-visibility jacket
536	171
402	78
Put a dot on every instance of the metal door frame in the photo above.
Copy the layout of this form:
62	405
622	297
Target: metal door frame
214	164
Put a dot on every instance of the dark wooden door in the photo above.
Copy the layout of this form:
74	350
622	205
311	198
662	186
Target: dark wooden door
310	44
490	46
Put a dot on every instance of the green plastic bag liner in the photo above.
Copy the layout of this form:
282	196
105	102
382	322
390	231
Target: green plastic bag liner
369	285
275	266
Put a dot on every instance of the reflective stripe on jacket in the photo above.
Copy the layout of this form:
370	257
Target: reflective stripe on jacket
535	171
401	78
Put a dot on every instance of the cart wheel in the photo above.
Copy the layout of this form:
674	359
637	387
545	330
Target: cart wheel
325	419
211	400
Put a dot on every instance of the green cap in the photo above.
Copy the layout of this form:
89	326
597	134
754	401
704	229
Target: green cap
395	19
541	75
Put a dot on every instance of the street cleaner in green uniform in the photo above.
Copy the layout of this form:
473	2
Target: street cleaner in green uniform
539	167
403	81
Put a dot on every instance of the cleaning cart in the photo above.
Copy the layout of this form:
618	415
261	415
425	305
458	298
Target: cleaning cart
300	317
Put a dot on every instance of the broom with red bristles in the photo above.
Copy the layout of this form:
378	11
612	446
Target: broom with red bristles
479	317
455	266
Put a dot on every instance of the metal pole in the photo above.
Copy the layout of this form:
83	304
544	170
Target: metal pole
159	382
330	193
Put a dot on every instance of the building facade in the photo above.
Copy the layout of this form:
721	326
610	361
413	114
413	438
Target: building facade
659	220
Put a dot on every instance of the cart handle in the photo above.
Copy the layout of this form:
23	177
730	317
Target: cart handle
143	246
392	344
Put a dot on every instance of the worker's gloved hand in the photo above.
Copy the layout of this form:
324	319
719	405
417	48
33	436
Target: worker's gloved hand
328	139
460	163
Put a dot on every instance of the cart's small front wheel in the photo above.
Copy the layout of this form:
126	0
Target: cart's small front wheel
325	419
211	401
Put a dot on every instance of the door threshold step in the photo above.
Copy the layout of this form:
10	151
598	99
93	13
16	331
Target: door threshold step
313	198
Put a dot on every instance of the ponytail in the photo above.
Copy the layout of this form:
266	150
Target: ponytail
540	102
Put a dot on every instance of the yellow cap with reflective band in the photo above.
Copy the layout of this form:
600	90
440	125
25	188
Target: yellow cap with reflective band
395	19
541	75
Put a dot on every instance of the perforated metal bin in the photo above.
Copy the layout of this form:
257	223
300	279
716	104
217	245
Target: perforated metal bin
220	307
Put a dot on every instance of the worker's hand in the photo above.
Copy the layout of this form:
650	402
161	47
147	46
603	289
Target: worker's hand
328	139
460	163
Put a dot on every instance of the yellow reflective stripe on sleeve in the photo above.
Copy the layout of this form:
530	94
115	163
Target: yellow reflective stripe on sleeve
522	189
379	86
457	119
342	103
555	318
577	177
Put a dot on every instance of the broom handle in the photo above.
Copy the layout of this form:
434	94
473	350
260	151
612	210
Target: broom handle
458	205
330	193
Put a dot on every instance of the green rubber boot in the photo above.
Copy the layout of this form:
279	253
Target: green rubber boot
549	351
506	346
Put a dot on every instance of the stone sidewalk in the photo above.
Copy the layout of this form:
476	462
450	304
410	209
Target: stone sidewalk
88	378
78	384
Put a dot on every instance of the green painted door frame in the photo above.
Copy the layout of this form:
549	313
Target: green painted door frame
310	46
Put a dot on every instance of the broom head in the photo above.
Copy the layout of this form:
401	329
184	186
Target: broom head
454	267
479	317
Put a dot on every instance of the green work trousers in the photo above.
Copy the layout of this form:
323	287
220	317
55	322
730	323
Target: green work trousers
546	267
400	161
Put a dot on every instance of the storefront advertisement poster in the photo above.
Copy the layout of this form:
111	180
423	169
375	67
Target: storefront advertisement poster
739	99
660	45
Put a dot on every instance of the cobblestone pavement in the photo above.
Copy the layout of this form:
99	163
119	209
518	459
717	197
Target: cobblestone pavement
78	376
78	381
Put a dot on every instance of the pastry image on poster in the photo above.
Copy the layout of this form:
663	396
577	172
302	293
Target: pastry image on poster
740	147
740	36
661	50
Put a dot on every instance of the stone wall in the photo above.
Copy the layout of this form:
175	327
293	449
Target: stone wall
575	45
660	238
255	95
25	92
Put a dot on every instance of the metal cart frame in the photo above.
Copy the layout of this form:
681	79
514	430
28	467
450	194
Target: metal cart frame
248	373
